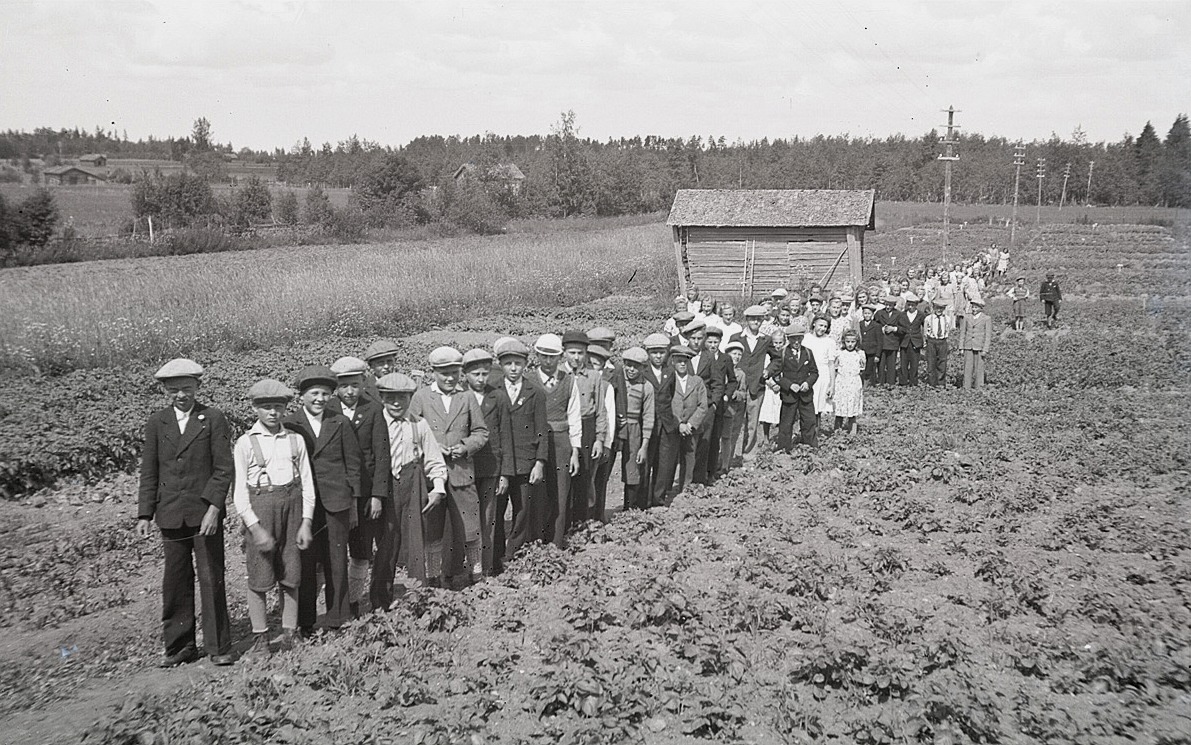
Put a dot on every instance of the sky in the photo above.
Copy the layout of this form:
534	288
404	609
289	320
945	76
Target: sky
267	74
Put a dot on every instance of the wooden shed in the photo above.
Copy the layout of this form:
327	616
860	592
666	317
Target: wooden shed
746	242
71	176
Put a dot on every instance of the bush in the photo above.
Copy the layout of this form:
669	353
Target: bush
285	209
252	202
318	207
10	176
175	200
202	241
347	226
471	207
120	176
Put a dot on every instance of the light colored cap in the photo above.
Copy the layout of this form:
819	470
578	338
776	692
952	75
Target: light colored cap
347	366
681	350
179	368
548	344
473	356
734	345
396	382
601	335
656	341
599	350
797	327
874	307
912	298
445	357
756	311
889	299
381	348
693	326
270	390
637	355
509	345
779	292
977	301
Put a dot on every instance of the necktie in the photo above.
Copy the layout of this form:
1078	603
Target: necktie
551	383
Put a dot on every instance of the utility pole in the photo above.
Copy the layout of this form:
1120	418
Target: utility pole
1066	175
949	155
1041	174
1091	165
1019	160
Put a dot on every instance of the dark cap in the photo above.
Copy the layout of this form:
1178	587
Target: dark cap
313	375
574	337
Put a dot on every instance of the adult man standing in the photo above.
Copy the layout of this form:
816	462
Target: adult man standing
1051	297
975	338
892	334
912	342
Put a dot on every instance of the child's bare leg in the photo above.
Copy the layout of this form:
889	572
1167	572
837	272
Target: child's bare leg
257	602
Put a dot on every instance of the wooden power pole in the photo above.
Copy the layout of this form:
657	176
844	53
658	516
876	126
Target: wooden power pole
948	157
1041	174
1066	175
1091	165
1019	160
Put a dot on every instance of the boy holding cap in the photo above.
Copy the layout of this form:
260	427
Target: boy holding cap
688	404
186	469
524	450
335	461
455	419
795	374
756	349
477	373
366	418
274	496
635	428
565	423
911	322
414	458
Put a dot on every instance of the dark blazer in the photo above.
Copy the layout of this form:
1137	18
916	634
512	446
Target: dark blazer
335	458
373	436
753	363
462	424
663	392
487	460
182	473
889	317
912	330
523	430
871	336
711	372
792	370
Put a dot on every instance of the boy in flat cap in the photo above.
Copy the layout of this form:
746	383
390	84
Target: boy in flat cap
659	374
335	460
186	469
795	375
708	364
565	423
635	429
525	451
593	416
756	349
1051	297
688	403
735	397
937	328
365	414
599	359
974	339
381	356
274	497
458	424
477	374
414	459
892	333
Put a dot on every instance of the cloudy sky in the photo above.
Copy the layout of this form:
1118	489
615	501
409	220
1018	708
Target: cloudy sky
268	73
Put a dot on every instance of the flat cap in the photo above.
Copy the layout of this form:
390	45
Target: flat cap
179	368
396	383
797	327
940	303
548	344
598	350
715	331
509	345
815	298
693	326
889	299
683	317
445	357
912	298
313	375
681	350
734	345
574	336
779	292
873	306
348	366
977	301
601	335
380	348
270	390
656	341
474	356
636	355
755	311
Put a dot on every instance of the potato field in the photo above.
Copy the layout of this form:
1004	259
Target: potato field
1010	565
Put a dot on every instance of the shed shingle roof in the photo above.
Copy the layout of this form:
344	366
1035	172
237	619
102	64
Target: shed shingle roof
803	208
63	170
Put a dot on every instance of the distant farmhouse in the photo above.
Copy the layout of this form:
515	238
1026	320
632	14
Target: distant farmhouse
506	175
94	160
71	176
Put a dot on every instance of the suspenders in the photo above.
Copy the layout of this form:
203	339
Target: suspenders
258	457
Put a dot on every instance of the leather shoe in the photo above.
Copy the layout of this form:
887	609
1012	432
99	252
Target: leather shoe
187	654
222	660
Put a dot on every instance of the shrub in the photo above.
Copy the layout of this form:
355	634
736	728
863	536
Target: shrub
10	176
471	207
347	226
176	200
285	208
252	202
202	241
28	226
318	207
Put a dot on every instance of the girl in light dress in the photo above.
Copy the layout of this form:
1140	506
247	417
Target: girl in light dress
838	319
847	394
729	325
771	404
1002	263
707	309
1019	294
824	349
856	312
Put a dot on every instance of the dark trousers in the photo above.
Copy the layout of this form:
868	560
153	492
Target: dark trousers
650	467
636	496
1051	308
329	550
888	367
583	485
529	505
491	522
802	412
936	361
669	447
558	490
872	368
909	367
409	489
363	537
707	445
598	507
188	554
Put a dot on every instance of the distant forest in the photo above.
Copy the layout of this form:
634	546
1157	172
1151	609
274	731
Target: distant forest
566	174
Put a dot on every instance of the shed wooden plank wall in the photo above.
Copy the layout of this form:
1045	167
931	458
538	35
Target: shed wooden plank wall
748	261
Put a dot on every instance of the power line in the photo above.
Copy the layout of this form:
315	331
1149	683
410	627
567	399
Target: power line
948	157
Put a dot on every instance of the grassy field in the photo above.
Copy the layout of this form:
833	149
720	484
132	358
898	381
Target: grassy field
891	215
112	312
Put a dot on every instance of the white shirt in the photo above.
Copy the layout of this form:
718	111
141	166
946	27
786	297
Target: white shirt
681	380
285	453
610	412
348	411
695	362
730	330
750	339
657	372
479	397
574	410
316	422
446	398
514	390
183	418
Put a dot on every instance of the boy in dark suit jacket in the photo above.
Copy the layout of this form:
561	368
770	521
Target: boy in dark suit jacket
688	406
458	425
335	461
366	415
795	375
910	321
870	342
891	339
708	364
660	375
481	384
186	470
756	349
524	449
